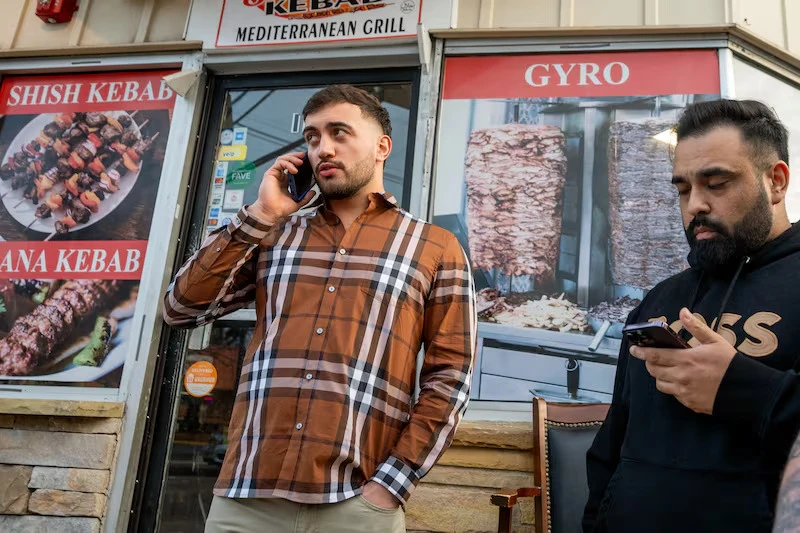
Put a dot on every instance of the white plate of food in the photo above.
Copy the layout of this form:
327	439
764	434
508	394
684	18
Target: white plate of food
84	356
23	210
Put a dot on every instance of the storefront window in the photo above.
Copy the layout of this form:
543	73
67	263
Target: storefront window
258	125
784	98
554	173
201	429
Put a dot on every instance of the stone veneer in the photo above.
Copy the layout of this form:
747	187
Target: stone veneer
56	468
56	460
485	456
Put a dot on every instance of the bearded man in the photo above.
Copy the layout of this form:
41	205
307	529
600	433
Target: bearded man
696	439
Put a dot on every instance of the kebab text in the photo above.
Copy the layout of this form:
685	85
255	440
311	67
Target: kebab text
96	92
72	260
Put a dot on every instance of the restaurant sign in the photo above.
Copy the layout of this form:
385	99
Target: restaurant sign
263	22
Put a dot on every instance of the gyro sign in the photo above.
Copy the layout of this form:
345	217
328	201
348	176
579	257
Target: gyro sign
614	73
581	75
81	163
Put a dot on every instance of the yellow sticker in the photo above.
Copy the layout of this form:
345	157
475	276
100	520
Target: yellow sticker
232	153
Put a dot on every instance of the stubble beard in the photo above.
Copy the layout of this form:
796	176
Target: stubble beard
354	181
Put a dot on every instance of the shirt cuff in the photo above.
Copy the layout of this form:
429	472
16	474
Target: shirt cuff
246	228
396	477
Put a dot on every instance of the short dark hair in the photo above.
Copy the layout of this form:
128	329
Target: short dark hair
758	123
347	94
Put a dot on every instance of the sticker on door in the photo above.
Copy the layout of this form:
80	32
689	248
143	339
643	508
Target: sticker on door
200	379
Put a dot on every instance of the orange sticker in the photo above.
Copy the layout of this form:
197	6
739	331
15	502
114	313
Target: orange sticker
200	379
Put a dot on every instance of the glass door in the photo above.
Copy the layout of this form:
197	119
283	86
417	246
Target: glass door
252	120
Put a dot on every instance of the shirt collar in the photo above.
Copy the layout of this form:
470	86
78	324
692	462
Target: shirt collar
377	201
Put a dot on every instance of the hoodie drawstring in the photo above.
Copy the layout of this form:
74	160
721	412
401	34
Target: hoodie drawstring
732	284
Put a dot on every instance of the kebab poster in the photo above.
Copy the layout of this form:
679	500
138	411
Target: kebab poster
81	164
555	175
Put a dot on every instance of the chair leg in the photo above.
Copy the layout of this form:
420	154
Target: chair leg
504	523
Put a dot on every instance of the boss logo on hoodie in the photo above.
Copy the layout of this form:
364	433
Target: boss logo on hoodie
759	340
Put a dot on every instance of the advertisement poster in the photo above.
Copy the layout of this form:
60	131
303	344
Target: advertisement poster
266	22
555	176
81	163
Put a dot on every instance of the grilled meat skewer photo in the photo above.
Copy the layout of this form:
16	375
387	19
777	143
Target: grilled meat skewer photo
33	337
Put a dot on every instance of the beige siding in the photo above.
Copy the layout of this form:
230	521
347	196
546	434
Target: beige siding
469	12
690	12
100	30
594	13
793	26
766	18
97	22
12	11
774	20
584	13
33	33
520	13
168	20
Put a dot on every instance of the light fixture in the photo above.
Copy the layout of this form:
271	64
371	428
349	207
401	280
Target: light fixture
667	136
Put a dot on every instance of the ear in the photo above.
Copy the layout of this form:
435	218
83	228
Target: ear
778	181
384	148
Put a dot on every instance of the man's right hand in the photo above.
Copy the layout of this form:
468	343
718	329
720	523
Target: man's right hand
274	203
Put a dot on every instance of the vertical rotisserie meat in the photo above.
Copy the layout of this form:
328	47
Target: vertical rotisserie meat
646	230
515	178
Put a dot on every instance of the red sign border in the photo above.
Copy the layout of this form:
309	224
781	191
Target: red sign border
710	85
8	81
306	43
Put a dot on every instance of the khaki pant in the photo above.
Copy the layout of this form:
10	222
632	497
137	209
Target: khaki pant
276	515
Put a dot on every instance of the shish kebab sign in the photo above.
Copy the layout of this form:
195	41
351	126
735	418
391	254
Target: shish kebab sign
81	163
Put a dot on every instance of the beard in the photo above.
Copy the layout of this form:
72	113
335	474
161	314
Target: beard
355	179
724	250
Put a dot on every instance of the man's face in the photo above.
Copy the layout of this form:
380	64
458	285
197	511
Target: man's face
726	207
344	148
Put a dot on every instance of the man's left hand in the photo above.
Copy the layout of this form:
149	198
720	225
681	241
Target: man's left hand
376	494
691	375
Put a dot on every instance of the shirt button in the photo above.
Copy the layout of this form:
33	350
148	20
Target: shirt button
309	376
331	288
218	249
319	331
299	425
342	251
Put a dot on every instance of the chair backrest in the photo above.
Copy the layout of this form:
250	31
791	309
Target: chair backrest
562	434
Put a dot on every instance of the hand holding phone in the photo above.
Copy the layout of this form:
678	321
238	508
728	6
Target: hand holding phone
301	182
655	334
275	202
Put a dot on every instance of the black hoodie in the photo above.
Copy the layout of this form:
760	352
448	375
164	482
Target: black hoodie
655	465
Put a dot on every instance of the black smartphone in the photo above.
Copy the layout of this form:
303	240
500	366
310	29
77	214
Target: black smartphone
653	335
302	182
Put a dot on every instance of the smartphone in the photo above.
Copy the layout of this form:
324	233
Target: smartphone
653	335
302	182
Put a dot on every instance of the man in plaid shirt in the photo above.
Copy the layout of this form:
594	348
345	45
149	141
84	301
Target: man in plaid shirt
324	435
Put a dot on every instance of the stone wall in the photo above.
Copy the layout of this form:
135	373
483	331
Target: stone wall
485	456
55	471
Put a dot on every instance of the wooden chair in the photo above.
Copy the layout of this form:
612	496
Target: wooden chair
562	434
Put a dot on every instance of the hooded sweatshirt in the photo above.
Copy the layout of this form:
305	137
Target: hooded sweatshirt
657	466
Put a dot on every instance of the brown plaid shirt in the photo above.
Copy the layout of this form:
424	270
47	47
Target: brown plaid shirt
325	398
